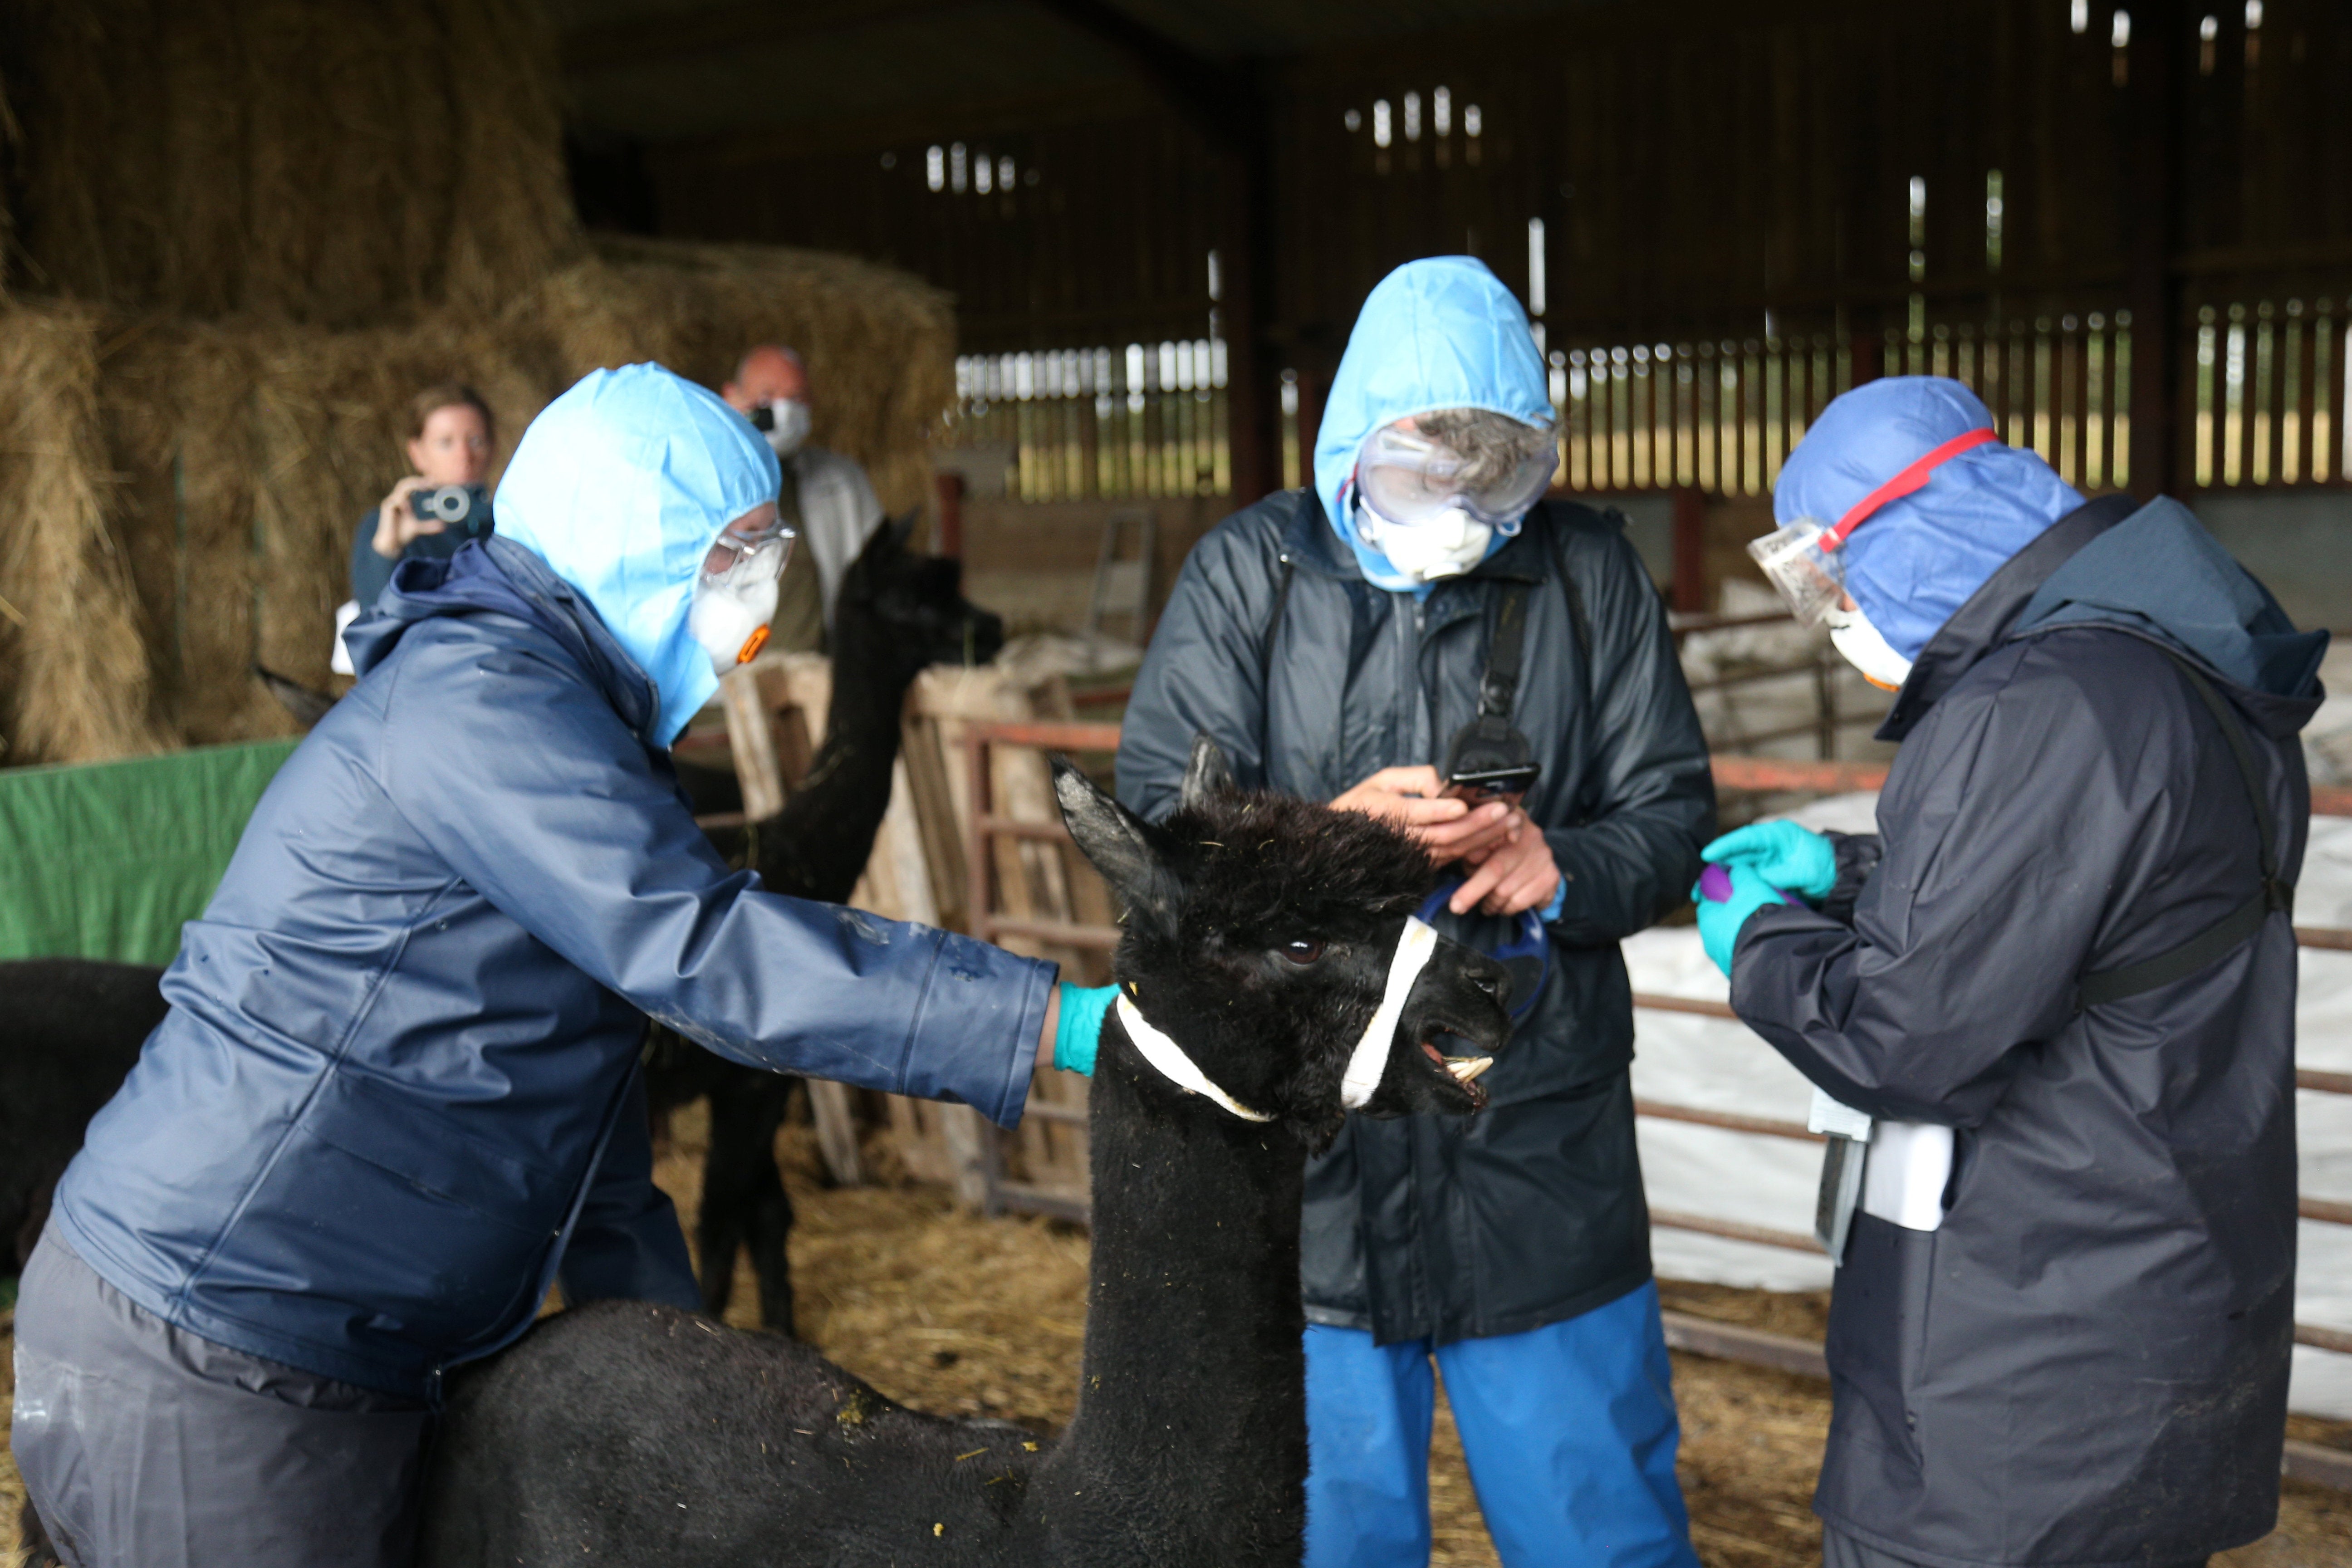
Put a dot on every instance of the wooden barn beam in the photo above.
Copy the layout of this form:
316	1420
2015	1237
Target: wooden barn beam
1226	106
722	29
2154	93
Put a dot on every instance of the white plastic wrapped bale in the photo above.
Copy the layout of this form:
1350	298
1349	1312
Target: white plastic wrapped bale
1714	1064
1756	1179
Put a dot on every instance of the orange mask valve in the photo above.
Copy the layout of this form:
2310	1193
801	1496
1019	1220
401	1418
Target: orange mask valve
752	646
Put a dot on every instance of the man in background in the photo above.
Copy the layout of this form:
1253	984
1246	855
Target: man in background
824	497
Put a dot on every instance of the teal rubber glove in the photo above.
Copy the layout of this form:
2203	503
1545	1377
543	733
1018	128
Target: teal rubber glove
1079	1029
1782	852
1724	907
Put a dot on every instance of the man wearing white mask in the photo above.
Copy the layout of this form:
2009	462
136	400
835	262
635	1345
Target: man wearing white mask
824	496
1421	636
2048	1006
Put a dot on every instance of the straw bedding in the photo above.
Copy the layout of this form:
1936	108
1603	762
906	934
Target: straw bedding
972	1316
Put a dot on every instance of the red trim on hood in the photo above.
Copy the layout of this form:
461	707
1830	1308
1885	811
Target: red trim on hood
1914	477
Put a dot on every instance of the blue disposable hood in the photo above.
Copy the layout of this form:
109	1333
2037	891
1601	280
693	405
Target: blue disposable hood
1442	332
1915	561
620	486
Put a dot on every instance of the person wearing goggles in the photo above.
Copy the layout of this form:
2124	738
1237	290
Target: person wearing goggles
1421	635
2048	1009
823	496
396	1095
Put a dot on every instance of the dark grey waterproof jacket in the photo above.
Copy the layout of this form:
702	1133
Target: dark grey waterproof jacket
398	1082
1532	1211
2087	1363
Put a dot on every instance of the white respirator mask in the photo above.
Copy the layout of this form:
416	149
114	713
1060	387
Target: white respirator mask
1445	544
735	595
784	421
1860	645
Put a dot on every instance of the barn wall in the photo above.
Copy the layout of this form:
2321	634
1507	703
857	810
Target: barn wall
1732	181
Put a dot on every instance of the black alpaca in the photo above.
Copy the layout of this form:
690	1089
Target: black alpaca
1259	935
73	1032
898	615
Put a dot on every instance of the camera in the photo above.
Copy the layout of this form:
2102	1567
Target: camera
464	508
763	418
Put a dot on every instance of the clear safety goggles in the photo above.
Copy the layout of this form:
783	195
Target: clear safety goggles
747	559
1802	561
1409	479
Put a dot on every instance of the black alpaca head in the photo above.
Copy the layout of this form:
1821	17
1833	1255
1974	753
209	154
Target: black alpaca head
1259	932
908	611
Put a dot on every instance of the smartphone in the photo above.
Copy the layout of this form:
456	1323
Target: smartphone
1492	783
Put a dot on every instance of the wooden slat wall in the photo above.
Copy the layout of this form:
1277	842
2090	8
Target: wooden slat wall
1727	178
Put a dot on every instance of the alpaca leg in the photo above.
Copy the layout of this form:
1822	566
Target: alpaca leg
1369	1409
730	1189
769	1216
1570	1434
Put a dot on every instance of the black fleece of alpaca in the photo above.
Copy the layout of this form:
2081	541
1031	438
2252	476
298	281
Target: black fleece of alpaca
642	1434
896	614
73	1030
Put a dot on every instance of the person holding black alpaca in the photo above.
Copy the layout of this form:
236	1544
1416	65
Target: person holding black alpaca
1419	635
397	1093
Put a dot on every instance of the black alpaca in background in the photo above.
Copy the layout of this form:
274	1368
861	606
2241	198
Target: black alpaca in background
897	614
72	1032
1258	937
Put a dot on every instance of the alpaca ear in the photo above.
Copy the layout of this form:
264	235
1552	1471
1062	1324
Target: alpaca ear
902	530
1208	774
1118	844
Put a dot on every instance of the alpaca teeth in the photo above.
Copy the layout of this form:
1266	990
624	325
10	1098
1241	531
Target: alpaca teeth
1465	1068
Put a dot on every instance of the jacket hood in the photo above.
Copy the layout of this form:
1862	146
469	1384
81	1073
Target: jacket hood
2161	577
496	577
1915	561
2159	572
619	486
1442	332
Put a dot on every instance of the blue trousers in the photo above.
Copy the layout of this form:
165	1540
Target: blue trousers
1570	1430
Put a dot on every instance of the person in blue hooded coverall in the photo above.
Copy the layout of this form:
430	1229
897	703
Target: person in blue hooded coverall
396	1094
2059	983
1332	652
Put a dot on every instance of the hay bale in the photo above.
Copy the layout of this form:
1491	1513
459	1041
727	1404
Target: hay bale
879	344
321	160
237	455
68	625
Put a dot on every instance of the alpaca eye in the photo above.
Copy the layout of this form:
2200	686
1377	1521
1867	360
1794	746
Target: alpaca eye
1302	952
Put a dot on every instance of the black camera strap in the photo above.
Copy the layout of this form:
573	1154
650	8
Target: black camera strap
1498	687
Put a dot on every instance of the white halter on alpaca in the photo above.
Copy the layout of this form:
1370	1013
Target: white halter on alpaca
1365	1064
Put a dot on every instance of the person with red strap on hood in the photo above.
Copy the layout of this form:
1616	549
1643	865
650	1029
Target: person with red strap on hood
2049	1005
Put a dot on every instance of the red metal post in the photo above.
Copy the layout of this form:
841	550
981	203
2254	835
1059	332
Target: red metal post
950	536
1690	550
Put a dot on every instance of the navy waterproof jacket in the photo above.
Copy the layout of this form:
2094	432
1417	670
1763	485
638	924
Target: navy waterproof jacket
1312	679
400	1067
2087	1362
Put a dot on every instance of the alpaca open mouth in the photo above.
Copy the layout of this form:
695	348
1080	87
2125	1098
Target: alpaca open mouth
1463	1070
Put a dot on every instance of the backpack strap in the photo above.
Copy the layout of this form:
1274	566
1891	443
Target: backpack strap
1498	686
2225	935
1274	619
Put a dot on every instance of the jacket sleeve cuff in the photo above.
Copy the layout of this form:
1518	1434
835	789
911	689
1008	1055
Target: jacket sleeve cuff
974	1037
1857	856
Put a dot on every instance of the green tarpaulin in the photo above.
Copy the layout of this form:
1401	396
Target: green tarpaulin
107	859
